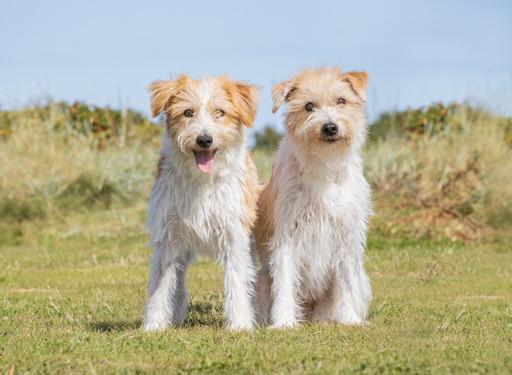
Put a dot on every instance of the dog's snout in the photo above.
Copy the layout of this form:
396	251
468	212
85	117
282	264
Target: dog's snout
329	129
204	140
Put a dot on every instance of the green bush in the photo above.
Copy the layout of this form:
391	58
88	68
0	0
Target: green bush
12	209
105	125
426	121
442	170
267	139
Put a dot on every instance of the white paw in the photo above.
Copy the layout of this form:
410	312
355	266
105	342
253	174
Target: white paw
352	319
154	326
284	324
240	326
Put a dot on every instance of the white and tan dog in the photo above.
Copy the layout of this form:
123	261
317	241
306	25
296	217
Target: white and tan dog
204	196
313	214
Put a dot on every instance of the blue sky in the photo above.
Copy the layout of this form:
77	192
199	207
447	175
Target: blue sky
107	52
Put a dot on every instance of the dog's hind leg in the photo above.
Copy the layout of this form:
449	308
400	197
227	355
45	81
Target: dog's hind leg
262	297
164	280
239	277
323	309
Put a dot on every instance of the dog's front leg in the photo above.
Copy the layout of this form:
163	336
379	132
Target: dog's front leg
284	287
164	306
351	292
181	295
239	275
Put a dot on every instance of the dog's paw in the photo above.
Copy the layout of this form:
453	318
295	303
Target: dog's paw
154	326
240	326
352	320
284	324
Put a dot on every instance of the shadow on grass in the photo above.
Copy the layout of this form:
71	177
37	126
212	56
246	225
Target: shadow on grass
115	326
200	314
204	314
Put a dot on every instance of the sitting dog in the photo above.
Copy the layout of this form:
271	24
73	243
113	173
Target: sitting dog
204	196
313	214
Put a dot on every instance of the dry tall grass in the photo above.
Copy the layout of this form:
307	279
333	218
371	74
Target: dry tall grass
454	183
44	168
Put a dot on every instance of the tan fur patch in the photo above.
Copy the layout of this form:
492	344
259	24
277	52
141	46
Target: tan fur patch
359	83
251	190
281	93
162	93
160	166
264	228
245	100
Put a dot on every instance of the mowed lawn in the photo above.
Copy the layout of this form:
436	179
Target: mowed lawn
72	292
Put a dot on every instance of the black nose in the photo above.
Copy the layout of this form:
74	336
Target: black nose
329	129
204	140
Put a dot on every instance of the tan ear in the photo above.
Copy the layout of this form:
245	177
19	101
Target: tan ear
246	101
280	93
161	94
359	83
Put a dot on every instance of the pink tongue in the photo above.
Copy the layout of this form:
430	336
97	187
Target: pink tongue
204	160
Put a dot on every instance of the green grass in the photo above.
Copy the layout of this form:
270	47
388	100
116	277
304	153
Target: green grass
72	292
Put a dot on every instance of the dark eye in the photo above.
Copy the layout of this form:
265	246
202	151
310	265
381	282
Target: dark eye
188	113
220	113
341	101
309	107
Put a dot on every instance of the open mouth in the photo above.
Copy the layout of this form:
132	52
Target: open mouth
204	159
330	139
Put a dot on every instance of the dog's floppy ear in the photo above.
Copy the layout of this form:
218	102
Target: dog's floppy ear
245	101
161	94
280	93
359	83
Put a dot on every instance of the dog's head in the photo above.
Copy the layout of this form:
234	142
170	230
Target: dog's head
325	108
205	116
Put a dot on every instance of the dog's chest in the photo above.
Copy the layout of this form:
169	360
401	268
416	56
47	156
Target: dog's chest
320	219
207	215
321	238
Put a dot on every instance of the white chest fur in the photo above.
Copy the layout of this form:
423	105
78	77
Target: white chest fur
322	217
208	219
203	211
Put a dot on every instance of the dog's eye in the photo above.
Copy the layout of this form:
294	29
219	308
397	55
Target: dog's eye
341	101
309	106
220	113
188	113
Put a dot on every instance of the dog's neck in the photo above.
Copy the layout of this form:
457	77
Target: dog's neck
331	167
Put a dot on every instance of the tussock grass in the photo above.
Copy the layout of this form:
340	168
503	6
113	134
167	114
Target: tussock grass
44	167
436	172
455	183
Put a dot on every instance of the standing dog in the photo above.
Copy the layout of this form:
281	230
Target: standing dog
204	196
313	214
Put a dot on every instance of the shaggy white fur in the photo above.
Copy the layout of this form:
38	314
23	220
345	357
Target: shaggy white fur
193	212
312	227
